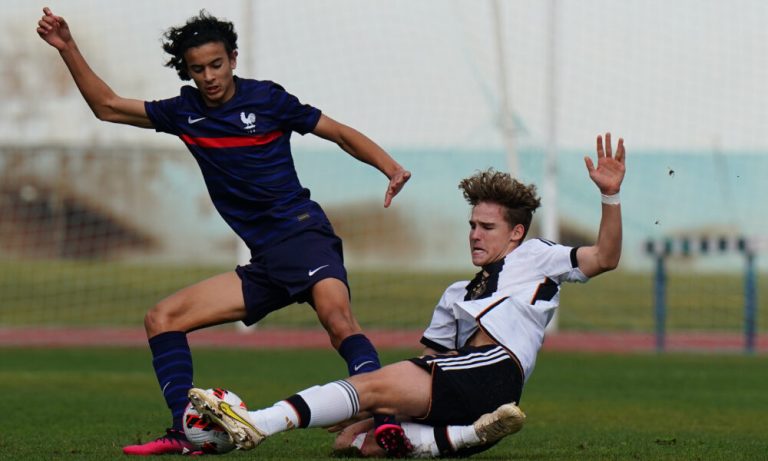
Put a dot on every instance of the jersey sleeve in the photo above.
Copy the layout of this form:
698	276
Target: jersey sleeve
162	114
559	262
441	334
290	113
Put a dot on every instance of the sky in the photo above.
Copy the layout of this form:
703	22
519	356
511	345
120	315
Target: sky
665	75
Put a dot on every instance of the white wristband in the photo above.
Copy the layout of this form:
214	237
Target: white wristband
610	199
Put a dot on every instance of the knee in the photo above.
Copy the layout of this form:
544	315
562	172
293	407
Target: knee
373	391
158	319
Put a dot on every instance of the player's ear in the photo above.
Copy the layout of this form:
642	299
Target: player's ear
517	232
233	59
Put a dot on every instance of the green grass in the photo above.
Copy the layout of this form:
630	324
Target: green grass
100	293
84	404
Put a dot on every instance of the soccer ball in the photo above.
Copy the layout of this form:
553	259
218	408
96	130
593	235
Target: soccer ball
205	435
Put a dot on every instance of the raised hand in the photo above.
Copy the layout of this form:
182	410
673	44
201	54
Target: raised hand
396	183
54	30
609	173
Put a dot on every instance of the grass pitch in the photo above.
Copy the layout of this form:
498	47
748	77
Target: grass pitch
84	404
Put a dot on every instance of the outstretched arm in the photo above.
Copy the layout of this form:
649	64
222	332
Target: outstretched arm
608	175
104	103
362	148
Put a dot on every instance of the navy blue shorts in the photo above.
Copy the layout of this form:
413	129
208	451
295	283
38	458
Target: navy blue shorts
285	273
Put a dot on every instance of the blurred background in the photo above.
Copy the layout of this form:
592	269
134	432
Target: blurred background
98	222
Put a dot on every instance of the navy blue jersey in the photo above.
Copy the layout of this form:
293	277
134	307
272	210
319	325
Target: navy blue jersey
243	149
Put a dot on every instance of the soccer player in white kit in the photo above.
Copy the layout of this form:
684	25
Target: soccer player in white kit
482	342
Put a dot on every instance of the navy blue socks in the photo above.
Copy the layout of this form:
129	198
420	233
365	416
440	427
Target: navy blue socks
359	353
172	361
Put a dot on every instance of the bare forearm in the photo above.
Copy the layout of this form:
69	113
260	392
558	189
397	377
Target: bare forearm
103	101
604	255
364	149
94	90
359	146
609	238
608	176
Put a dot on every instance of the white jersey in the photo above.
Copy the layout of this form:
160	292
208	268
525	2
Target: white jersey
518	301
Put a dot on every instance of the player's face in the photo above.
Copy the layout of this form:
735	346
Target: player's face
211	68
491	238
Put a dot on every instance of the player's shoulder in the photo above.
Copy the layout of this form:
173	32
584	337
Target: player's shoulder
189	98
260	91
188	93
535	245
456	290
539	244
461	284
186	101
253	85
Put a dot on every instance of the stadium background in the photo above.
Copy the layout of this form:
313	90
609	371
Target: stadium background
97	222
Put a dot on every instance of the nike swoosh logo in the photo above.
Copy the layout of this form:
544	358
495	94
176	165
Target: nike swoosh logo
227	410
192	121
314	271
359	366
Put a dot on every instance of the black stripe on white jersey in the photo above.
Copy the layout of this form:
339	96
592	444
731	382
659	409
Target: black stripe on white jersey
482	287
545	291
574	260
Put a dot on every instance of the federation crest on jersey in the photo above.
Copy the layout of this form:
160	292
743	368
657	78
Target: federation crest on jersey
249	121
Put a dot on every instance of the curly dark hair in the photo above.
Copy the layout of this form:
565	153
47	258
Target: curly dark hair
519	200
199	30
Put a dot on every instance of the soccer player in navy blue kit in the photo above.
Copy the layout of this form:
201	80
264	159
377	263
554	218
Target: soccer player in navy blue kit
239	132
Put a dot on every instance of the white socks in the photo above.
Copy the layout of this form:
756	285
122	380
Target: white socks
462	436
318	406
330	404
423	438
277	418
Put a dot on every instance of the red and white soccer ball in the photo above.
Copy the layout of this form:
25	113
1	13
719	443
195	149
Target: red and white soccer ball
205	435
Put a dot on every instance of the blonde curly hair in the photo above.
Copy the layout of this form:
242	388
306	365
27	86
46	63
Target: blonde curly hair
519	200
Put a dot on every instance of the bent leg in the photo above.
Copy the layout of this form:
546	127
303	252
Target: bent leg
401	388
437	441
330	298
213	301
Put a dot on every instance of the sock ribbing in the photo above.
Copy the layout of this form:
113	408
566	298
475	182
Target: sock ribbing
172	361
359	353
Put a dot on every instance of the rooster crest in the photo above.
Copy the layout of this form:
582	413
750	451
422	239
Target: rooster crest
249	120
